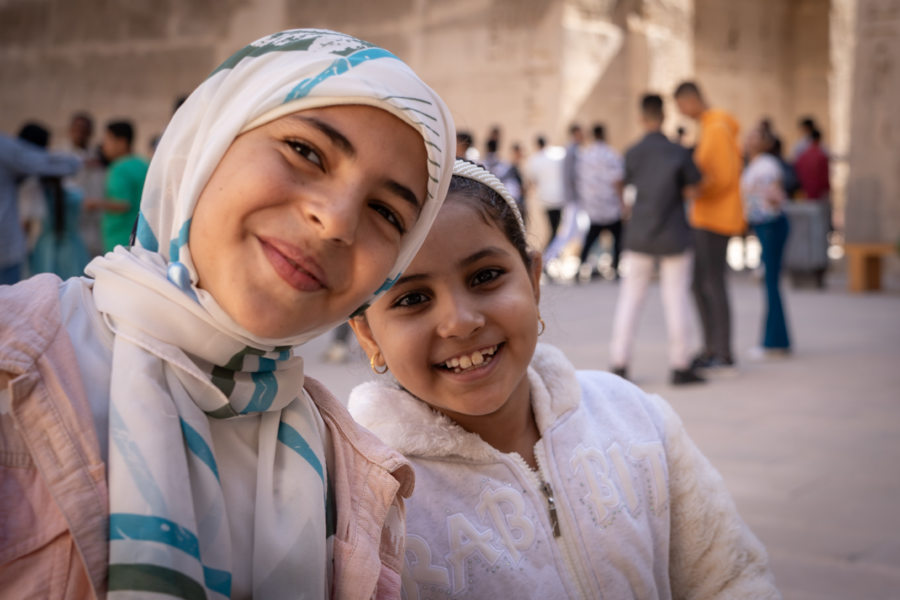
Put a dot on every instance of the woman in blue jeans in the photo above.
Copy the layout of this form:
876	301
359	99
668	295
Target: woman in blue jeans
764	196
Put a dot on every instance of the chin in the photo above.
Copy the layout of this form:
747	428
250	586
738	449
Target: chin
268	329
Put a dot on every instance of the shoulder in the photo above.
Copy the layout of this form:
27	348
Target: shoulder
765	166
348	433
621	404
560	390
30	319
410	426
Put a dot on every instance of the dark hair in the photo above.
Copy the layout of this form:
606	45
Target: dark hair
807	123
540	141
85	116
35	133
491	146
493	209
574	127
599	132
652	107
179	100
464	137
767	140
687	87
122	130
816	135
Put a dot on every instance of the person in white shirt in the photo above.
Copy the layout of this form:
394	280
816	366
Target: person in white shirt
599	182
544	175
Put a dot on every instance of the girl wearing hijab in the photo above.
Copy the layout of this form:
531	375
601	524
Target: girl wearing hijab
181	451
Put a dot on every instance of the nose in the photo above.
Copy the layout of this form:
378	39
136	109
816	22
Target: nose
459	317
335	213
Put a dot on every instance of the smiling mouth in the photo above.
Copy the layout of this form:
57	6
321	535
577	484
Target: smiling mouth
296	274
470	360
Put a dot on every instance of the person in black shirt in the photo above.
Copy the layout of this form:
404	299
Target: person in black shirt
662	174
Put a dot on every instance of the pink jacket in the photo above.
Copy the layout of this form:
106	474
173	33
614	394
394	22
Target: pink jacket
54	508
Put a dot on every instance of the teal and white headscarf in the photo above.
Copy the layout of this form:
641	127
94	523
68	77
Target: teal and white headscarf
180	362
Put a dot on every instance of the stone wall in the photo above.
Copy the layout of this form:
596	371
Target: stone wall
765	58
873	191
527	65
113	59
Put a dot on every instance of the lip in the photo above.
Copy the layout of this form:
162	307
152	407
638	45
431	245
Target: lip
478	372
298	270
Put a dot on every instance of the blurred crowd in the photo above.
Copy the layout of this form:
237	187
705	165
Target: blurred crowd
63	202
666	210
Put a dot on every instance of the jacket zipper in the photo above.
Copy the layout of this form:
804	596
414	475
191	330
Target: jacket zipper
575	565
554	518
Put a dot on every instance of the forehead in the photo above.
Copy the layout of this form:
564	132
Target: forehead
462	227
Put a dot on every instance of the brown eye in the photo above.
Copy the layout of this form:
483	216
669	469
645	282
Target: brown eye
389	215
486	276
307	152
411	299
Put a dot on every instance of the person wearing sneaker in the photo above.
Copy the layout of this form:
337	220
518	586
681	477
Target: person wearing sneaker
716	214
662	172
764	197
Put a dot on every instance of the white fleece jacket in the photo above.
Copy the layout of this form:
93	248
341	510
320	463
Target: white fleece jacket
640	512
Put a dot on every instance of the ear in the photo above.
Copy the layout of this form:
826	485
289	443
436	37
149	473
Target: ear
537	264
363	333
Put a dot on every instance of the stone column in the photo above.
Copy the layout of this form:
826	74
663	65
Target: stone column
873	191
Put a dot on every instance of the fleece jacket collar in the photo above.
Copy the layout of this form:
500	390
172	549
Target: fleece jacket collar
415	429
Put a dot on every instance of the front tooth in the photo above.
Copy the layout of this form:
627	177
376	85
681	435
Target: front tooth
465	362
477	358
454	362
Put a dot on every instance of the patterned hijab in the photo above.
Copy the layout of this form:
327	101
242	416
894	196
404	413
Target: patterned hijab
179	360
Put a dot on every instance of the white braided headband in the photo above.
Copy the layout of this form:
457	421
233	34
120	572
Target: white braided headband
469	170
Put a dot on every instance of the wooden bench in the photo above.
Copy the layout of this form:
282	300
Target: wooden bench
864	264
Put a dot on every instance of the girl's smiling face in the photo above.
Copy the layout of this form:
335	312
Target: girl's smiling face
458	330
303	217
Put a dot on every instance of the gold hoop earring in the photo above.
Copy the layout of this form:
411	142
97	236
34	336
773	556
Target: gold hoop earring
542	324
374	368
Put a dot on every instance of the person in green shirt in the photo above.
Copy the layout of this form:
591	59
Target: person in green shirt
124	185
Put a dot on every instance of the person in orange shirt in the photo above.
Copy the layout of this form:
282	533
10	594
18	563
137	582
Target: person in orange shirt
716	214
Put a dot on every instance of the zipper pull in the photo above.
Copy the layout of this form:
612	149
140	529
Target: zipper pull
554	518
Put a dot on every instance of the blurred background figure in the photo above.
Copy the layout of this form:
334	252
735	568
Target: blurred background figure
764	199
662	173
599	182
465	146
811	217
89	182
806	126
124	185
338	350
18	160
544	179
503	170
32	206
812	170
516	160
716	214
55	245
570	227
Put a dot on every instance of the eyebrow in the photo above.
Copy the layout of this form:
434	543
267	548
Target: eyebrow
405	193
472	258
346	147
484	252
337	138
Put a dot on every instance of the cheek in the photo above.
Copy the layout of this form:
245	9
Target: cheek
406	346
373	259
